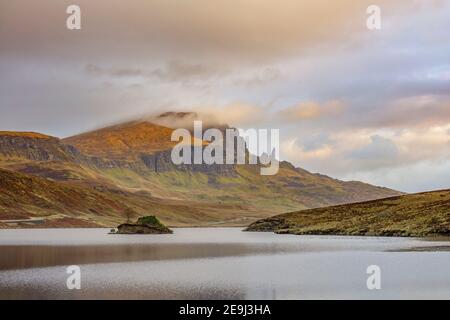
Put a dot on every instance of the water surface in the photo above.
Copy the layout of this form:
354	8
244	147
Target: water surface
218	263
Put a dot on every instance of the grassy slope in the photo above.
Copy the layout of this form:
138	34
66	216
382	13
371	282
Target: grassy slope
66	204
291	189
23	196
184	198
421	214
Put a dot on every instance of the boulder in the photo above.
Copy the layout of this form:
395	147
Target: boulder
144	225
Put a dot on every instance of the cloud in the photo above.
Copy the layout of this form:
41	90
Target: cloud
422	111
173	71
113	72
367	153
260	77
378	148
293	149
176	70
311	110
246	114
310	68
380	152
421	176
315	141
254	29
235	114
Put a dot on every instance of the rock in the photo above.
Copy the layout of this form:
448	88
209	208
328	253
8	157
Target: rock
268	225
144	225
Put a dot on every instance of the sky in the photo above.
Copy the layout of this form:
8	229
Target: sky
352	103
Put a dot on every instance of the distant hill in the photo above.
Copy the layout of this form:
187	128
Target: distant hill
421	214
133	158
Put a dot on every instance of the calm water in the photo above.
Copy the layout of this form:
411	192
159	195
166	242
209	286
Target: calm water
218	263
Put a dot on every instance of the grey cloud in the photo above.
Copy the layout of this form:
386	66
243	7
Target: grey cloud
415	111
173	71
379	149
113	72
416	177
314	141
395	114
176	70
263	77
253	30
310	110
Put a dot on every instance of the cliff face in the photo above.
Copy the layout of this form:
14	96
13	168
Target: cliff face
140	146
162	162
36	147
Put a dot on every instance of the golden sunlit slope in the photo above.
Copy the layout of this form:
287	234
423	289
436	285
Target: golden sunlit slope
25	134
123	141
421	214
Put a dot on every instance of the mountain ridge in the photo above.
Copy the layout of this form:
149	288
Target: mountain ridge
136	160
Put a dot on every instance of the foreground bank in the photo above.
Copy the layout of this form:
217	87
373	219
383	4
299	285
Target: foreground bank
415	215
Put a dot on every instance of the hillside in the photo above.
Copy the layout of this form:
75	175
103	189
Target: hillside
123	141
30	201
25	197
134	158
421	214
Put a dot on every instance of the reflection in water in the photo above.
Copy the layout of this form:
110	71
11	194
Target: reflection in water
28	256
216	264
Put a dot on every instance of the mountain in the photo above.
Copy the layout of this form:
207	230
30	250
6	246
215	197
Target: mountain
131	163
418	215
125	141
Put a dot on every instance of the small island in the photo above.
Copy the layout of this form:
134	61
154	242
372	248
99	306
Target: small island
144	225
